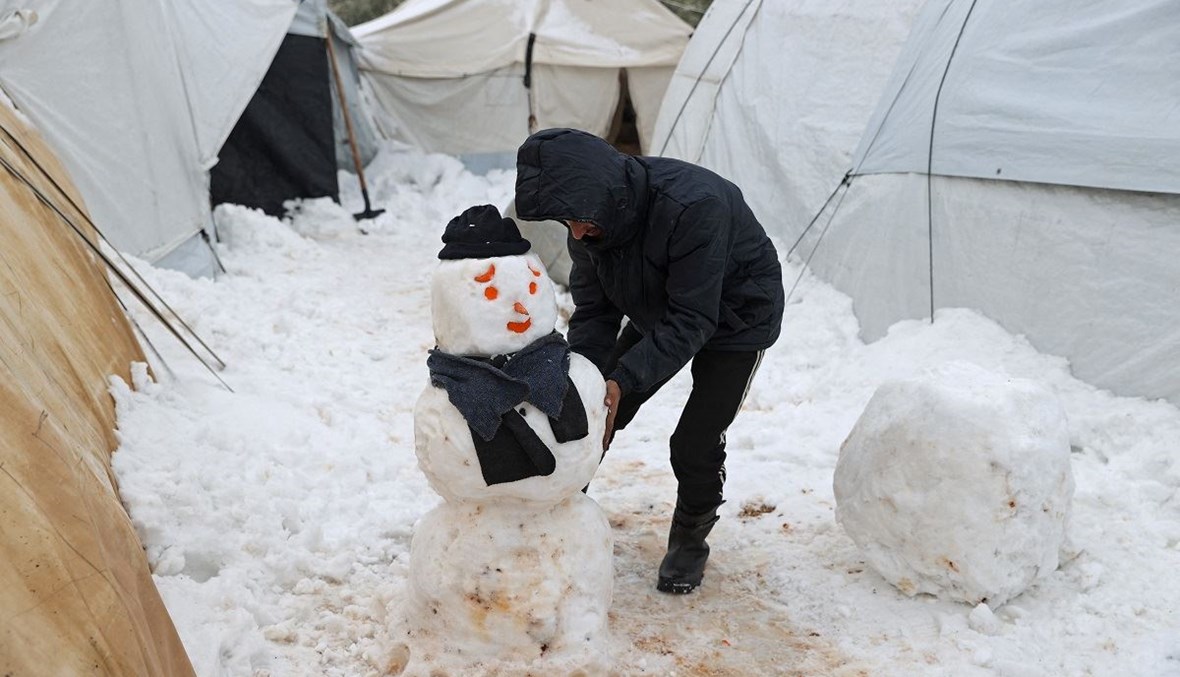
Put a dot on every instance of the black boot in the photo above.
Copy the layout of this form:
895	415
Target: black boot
684	565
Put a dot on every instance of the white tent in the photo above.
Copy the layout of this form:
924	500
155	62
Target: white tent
292	137
775	95
1022	161
310	21
465	77
137	99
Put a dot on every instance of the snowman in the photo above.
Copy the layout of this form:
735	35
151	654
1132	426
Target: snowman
512	573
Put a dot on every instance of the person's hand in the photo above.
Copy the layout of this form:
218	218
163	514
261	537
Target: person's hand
613	395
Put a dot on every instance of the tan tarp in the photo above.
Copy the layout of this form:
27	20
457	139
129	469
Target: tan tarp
76	595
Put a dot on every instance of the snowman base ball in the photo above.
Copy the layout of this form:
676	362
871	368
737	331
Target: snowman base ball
515	590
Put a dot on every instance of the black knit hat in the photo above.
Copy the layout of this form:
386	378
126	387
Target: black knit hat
481	233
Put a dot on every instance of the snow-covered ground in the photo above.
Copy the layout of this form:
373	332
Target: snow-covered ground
278	517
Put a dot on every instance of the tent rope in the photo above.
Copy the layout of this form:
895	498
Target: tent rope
76	207
854	172
697	81
930	158
846	183
142	334
212	250
847	180
111	265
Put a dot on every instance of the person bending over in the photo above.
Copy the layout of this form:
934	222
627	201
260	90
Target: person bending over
674	249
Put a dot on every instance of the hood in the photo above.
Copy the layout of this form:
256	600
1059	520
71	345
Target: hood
567	174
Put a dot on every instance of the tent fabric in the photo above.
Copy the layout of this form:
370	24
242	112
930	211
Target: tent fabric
775	96
292	138
282	146
222	49
75	589
423	110
575	96
451	73
691	95
312	20
646	86
1084	271
1054	205
453	38
345	46
136	99
1088	274
1071	92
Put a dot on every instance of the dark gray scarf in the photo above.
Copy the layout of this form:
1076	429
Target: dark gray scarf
486	391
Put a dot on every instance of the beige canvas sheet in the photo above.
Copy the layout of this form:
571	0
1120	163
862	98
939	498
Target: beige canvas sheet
76	595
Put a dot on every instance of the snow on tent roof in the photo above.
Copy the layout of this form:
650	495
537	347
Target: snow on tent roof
75	587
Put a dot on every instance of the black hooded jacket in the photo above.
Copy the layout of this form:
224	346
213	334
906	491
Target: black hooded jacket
681	254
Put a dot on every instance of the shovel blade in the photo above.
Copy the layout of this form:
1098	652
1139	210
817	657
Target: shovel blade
368	214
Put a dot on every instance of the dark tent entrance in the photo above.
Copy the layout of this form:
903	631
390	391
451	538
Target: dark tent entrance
624	130
283	146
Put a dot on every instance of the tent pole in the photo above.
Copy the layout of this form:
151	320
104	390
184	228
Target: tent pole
368	212
528	81
930	156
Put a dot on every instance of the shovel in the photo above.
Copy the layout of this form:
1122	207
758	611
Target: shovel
369	212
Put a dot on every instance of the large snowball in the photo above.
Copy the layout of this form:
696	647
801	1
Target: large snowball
958	484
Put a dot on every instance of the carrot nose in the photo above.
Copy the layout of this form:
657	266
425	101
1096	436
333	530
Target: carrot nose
519	307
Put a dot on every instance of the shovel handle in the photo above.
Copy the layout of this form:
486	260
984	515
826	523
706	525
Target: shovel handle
356	156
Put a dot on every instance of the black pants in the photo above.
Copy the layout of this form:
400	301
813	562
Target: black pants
720	381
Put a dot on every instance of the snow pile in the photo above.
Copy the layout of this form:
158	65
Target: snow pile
957	483
508	576
278	518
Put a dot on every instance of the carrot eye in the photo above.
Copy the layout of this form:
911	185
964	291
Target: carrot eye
487	274
532	287
491	293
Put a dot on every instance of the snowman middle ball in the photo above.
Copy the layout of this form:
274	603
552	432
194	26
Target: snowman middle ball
499	306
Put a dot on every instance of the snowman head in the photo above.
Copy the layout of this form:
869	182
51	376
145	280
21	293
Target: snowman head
489	295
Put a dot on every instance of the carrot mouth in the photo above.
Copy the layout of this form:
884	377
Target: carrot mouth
520	327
